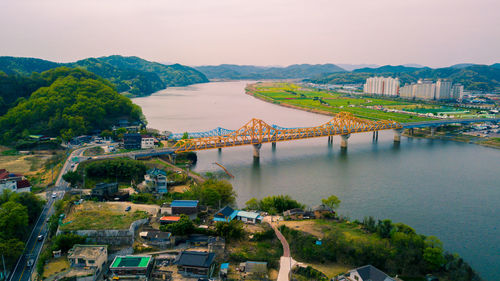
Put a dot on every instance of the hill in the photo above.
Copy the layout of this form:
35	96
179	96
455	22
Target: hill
473	77
132	75
75	102
232	71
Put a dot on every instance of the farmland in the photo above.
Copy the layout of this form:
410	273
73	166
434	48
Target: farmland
330	103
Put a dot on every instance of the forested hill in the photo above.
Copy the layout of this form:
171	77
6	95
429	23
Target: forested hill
131	75
235	72
473	77
71	102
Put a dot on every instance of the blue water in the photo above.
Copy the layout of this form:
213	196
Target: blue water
442	188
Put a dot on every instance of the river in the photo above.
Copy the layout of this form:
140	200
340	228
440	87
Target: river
442	188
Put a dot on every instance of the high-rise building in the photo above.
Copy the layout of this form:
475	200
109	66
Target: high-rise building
443	90
457	91
386	86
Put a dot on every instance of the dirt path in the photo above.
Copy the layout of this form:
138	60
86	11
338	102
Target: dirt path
286	261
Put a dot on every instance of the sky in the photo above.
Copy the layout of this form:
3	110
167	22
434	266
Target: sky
434	33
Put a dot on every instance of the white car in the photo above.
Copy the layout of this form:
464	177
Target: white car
54	195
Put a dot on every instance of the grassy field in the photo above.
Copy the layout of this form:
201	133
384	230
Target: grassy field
98	216
55	266
331	102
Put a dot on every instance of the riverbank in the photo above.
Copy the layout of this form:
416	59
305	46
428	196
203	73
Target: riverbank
450	136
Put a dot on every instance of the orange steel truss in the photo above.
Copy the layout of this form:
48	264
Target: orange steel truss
257	131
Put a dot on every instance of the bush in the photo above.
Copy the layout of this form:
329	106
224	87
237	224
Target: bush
273	204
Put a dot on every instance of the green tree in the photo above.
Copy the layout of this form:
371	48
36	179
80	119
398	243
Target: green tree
232	230
11	248
185	136
13	220
333	202
182	227
65	241
72	177
252	204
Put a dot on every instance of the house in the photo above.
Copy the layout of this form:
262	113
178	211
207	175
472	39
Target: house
364	273
225	214
13	182
224	268
156	236
254	268
169	219
91	256
197	240
216	245
80	140
147	141
157	180
187	207
248	217
131	267
195	264
132	141
295	214
322	210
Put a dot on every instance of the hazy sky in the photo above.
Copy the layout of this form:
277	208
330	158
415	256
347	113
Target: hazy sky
262	32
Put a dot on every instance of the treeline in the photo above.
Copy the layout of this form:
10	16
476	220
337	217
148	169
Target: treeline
393	248
122	169
131	75
273	204
473	77
74	102
18	211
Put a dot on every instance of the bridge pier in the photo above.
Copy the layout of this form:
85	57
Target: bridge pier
343	140
273	145
330	139
433	131
219	150
375	136
397	135
256	150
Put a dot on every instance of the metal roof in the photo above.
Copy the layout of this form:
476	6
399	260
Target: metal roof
250	215
184	203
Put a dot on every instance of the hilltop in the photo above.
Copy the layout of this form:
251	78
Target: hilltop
235	72
131	75
474	77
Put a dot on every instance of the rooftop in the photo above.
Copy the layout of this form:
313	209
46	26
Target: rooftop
194	258
87	251
371	273
130	262
170	218
245	214
184	203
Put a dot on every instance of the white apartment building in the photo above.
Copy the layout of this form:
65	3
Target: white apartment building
386	86
443	90
147	142
457	91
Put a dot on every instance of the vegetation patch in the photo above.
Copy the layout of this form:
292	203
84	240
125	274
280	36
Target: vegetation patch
100	216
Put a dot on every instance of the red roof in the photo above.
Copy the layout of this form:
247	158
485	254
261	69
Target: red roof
23	184
170	218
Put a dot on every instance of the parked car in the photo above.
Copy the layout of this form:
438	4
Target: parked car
54	195
128	208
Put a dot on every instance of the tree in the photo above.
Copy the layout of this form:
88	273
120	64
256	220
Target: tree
13	220
252	204
229	230
333	202
72	177
65	241
384	228
185	136
11	249
184	226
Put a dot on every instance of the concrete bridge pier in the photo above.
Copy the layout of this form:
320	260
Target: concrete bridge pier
273	145
219	150
172	158
375	136
330	139
343	140
397	135
256	150
433	131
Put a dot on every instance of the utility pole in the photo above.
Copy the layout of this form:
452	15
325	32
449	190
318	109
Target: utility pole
4	270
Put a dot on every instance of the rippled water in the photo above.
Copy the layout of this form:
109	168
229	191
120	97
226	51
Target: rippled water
442	188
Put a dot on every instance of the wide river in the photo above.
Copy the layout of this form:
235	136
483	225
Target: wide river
442	188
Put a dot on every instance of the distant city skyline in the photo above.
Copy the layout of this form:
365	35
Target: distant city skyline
261	32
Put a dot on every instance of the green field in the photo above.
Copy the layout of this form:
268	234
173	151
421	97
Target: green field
331	102
99	216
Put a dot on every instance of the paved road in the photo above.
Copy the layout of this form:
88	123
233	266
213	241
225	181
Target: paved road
22	272
286	261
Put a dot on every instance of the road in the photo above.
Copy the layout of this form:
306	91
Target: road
23	272
286	261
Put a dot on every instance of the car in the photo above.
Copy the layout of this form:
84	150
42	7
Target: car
73	165
30	263
90	158
40	237
54	195
128	208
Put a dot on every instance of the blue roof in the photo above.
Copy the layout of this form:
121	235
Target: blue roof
185	203
225	214
224	266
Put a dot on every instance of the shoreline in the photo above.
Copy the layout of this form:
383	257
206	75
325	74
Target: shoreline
249	91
